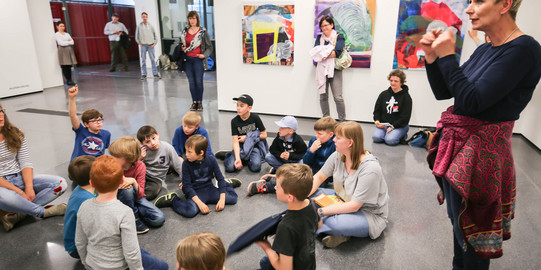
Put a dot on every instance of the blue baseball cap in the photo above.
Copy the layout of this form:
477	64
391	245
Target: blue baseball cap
288	122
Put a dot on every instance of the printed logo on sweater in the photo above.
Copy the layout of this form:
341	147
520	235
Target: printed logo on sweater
92	145
392	105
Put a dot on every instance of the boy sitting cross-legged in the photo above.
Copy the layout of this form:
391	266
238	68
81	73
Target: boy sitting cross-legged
197	173
294	243
127	150
105	235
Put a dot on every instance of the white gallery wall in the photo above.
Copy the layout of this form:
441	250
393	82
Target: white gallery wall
284	90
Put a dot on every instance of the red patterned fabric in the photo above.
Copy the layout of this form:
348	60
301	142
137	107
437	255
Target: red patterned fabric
476	158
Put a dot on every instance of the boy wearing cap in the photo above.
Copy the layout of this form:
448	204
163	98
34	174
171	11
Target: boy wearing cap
249	138
287	147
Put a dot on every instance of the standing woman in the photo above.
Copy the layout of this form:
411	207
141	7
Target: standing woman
197	47
392	111
21	192
358	180
471	155
332	44
66	56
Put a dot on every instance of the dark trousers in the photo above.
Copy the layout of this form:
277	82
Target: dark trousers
193	67
115	50
152	188
464	255
207	195
66	71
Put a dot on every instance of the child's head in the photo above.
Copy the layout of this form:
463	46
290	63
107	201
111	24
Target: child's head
126	150
93	120
287	126
149	137
196	147
244	104
202	251
324	128
106	174
293	182
79	169
190	122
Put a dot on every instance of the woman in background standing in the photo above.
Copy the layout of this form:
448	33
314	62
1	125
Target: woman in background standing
66	56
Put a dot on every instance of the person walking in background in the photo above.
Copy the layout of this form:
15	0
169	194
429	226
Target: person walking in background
145	36
114	29
197	47
66	56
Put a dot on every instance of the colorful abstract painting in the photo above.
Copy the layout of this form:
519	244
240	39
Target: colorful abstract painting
414	17
268	34
355	20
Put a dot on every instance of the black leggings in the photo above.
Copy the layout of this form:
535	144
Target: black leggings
66	71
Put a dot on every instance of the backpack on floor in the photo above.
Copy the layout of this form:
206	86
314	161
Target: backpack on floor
164	62
422	138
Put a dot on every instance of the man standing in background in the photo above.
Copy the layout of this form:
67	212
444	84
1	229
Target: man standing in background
145	36
114	29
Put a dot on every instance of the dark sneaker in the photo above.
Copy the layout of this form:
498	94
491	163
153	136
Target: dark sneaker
199	106
235	182
157	77
221	154
112	70
165	200
332	241
140	226
143	78
193	107
255	187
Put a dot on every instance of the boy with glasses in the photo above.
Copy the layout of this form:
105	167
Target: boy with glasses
90	138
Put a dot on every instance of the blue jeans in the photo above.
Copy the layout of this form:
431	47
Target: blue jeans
150	50
265	263
209	195
277	162
46	187
351	224
142	208
254	163
391	138
150	262
463	258
193	67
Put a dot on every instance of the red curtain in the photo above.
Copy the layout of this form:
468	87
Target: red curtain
87	23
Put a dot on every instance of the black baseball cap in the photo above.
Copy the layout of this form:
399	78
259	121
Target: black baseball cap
246	99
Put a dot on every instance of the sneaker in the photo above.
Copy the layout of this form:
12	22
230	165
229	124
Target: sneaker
157	77
10	219
165	200
259	186
199	106
235	182
112	70
194	106
55	210
140	226
143	78
332	241
221	154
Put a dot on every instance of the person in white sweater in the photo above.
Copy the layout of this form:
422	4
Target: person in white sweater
66	56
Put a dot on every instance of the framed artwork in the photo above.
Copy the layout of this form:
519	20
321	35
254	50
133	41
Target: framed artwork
415	17
268	34
355	20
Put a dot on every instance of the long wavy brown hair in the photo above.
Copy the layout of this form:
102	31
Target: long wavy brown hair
12	135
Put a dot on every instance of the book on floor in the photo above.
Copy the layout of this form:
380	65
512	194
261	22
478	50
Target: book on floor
325	200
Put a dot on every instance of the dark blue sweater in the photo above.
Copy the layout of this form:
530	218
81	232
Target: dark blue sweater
495	84
198	175
179	139
317	159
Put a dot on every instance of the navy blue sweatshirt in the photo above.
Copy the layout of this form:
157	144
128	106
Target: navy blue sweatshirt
495	84
198	175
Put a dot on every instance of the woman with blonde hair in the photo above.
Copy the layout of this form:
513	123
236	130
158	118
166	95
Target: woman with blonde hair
359	182
201	251
21	192
470	155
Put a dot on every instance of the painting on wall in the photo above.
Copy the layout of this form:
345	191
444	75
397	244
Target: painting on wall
415	17
268	34
355	20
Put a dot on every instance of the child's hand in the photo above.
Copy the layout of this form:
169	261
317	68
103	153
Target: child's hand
127	183
181	159
203	208
143	152
72	92
284	155
316	145
238	164
180	185
264	244
220	205
242	138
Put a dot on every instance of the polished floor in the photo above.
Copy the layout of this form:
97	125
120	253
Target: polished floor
418	235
